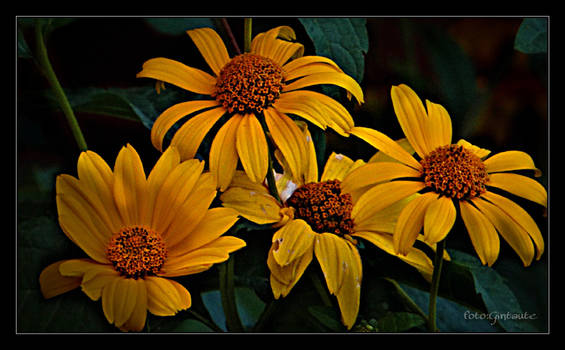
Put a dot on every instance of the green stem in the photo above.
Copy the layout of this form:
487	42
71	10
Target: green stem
265	316
247	25
227	291
57	89
406	298
438	262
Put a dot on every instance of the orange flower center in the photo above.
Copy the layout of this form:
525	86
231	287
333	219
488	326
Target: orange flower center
248	84
455	172
136	252
323	207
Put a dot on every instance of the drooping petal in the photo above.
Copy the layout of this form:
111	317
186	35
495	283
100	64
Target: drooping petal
410	222
338	166
166	297
520	216
519	185
510	160
512	233
302	105
362	178
381	196
189	137
439	126
482	233
386	145
291	241
290	140
211	47
412	117
256	206
119	298
179	74
223	153
136	320
252	148
439	219
130	186
283	278
173	114
334	78
52	283
307	65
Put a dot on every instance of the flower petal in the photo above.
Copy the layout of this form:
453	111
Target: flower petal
166	297
520	216
512	233
439	219
119	299
303	105
269	45
173	114
386	145
291	241
380	156
252	148
362	178
211	47
519	185
384	220
439	126
52	283
178	74
338	166
223	153
166	163
307	65
479	152
283	278
130	186
136	320
290	140
188	138
381	196
334	78
410	222
510	160
254	205
482	233
412	117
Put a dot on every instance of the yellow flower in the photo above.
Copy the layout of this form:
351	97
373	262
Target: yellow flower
138	231
254	89
450	174
317	219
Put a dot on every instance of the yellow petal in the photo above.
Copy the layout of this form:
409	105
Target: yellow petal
283	278
362	178
188	138
386	145
412	117
520	216
211	47
179	74
256	206
269	45
291	241
136	320
334	78
479	152
410	222
384	220
52	283
223	153
439	126
119	299
290	140
166	297
302	105
510	160
380	156
173	114
338	166
519	185
512	233
252	148
381	196
482	233
166	163
439	219
307	65
130	186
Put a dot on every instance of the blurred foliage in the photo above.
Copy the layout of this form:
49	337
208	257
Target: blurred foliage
490	74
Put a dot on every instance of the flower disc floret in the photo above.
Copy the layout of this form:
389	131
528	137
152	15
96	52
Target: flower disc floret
249	83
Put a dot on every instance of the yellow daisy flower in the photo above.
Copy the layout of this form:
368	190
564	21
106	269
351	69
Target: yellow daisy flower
137	232
256	90
317	219
449	174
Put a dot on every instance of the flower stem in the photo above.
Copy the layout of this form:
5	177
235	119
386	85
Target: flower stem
227	291
57	89
247	25
438	262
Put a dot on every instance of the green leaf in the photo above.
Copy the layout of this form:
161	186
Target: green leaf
23	49
178	26
344	40
249	307
532	36
400	322
328	317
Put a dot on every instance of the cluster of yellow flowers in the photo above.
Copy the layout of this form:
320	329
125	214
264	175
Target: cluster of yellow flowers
140	231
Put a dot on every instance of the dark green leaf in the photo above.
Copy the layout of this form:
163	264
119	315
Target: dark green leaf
328	317
23	48
532	36
178	26
249	307
400	322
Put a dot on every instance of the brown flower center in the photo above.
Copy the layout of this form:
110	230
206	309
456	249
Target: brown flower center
455	172
249	83
323	207
136	252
